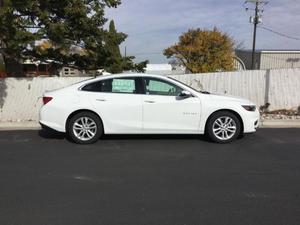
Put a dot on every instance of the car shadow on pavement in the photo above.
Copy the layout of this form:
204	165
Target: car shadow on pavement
155	137
52	134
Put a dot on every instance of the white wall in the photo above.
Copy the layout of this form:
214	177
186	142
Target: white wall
284	91
246	84
20	98
280	88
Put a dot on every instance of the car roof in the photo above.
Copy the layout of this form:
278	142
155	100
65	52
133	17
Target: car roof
129	75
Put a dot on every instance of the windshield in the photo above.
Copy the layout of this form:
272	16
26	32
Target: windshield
203	92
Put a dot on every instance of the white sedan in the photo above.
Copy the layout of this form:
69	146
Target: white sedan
144	104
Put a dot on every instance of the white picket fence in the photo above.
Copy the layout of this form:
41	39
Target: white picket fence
20	98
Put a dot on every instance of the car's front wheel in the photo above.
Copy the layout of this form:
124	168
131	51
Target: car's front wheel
223	127
85	128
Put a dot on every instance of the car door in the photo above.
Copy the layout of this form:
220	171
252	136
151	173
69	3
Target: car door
165	112
119	104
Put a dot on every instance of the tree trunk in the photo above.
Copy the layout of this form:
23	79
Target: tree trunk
13	67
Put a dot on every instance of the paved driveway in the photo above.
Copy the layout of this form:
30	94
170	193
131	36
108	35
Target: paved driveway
169	180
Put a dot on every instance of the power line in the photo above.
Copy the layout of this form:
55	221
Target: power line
278	33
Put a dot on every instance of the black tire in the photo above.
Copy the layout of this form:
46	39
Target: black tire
92	117
216	118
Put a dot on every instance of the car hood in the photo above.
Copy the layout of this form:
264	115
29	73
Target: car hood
230	98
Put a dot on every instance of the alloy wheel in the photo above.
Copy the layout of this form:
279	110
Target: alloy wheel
85	128
224	128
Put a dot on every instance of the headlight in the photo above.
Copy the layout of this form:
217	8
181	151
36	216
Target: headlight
250	108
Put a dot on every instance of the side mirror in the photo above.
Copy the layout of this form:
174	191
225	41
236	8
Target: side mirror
185	94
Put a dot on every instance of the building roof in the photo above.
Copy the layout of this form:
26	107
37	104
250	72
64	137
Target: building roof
159	67
271	50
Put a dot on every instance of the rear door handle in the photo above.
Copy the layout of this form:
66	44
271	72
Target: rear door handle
148	101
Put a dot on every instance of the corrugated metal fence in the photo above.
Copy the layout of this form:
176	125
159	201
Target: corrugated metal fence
280	88
20	97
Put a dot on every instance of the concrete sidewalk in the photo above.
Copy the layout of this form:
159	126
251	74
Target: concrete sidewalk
25	125
33	125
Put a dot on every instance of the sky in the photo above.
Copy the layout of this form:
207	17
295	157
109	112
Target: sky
153	25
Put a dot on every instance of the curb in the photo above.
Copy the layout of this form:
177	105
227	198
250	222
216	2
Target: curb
280	124
30	125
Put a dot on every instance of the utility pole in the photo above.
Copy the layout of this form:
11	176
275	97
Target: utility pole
255	20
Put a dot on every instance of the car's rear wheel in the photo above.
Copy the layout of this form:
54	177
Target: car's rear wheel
223	127
85	128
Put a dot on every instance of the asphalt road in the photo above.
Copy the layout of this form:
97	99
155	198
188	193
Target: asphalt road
134	180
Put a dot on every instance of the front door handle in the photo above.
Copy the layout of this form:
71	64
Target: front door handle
101	100
148	101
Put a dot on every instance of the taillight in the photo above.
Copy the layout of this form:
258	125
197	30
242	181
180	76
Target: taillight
46	100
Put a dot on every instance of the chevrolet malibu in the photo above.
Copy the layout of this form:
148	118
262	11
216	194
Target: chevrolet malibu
144	104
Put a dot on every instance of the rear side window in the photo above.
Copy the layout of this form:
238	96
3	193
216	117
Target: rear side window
92	87
123	86
116	85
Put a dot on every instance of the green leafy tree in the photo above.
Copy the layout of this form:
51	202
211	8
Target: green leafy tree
116	63
202	51
141	66
64	23
128	65
114	39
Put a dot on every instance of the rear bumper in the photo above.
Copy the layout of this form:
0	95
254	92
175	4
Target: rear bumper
51	126
50	118
47	128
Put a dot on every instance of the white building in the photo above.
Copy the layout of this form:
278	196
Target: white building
159	69
270	59
164	69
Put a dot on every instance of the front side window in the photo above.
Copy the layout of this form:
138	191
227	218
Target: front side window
155	86
116	85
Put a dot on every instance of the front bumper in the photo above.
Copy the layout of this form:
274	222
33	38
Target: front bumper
251	122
